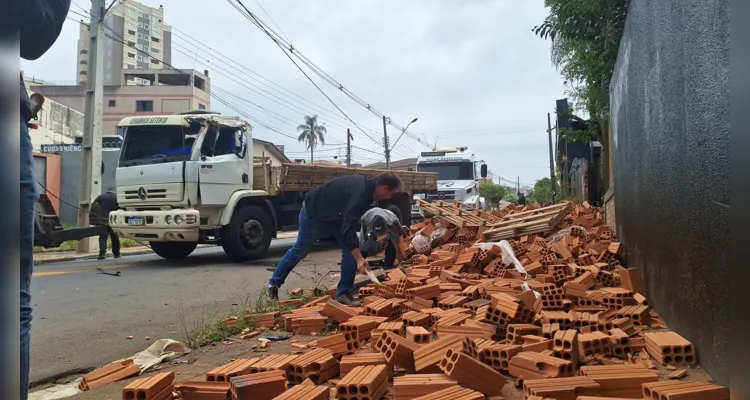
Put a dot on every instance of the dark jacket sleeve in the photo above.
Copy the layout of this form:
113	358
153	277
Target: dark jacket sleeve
41	24
352	213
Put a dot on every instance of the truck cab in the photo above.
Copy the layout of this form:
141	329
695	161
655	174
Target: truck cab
457	176
186	179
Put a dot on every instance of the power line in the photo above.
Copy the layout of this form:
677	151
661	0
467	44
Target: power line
262	26
285	45
232	76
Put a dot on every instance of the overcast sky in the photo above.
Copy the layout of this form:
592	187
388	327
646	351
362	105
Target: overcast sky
471	71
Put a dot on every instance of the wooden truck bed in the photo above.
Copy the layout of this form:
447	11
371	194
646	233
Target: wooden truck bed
303	177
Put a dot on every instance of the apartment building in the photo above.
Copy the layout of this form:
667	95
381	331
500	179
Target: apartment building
136	38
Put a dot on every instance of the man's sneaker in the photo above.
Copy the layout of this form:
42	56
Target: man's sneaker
273	291
348	300
101	257
118	255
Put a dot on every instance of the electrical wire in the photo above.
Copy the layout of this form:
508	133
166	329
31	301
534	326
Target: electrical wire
232	77
285	45
283	49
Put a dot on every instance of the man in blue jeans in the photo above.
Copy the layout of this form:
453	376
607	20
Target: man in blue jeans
41	23
334	209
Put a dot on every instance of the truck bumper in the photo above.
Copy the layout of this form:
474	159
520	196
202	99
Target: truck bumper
157	225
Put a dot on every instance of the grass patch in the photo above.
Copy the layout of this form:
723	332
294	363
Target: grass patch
207	328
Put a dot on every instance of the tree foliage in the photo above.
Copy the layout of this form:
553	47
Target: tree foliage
585	36
492	192
542	192
311	133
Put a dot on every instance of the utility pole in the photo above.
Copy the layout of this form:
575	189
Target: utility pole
518	185
348	148
92	126
551	160
385	143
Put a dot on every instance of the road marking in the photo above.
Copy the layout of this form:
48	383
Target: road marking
76	270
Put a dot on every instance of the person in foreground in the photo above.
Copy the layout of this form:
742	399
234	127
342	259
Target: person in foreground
41	23
334	209
99	215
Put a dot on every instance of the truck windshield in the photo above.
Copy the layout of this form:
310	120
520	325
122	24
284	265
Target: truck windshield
449	171
149	144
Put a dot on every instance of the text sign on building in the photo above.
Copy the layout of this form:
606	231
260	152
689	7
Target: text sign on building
61	148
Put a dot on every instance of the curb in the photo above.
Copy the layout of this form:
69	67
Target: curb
79	257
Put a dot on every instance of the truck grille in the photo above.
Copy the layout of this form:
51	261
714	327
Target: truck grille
441	196
153	194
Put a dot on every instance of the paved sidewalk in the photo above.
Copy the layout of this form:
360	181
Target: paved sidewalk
51	256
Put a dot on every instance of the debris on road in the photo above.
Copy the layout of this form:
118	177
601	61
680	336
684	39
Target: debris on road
534	295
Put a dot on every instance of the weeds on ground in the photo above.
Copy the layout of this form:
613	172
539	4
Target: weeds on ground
208	328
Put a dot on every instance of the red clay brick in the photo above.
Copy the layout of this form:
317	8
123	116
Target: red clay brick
152	388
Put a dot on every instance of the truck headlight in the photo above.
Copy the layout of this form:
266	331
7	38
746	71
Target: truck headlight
168	219
178	219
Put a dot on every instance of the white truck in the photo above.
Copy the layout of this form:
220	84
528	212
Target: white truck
457	177
191	178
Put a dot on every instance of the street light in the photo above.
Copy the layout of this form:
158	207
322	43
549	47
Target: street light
402	133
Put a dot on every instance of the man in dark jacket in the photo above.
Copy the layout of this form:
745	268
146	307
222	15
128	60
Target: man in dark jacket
521	199
334	209
99	215
41	23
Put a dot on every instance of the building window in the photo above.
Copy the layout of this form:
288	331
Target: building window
83	62
155	61
155	50
144	105
131	55
155	39
82	73
133	13
131	44
112	103
156	19
157	31
131	32
130	66
83	51
201	107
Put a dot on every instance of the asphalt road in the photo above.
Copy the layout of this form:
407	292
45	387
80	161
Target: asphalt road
82	317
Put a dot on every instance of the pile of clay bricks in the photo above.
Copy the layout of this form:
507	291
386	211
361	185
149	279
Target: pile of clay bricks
458	323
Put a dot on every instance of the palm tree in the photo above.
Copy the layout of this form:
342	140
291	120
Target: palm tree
311	133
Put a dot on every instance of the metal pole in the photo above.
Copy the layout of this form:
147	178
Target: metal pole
348	148
385	143
551	159
92	128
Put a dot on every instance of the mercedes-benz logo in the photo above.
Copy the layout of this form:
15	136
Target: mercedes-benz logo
441	195
142	193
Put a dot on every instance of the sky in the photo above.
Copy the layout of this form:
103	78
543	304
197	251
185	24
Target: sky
471	71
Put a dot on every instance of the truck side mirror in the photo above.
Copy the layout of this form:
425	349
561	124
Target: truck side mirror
483	170
242	148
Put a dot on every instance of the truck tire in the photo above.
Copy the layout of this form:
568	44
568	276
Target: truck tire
248	234
173	250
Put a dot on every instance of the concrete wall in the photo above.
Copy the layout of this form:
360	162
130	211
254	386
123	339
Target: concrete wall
670	138
57	123
70	181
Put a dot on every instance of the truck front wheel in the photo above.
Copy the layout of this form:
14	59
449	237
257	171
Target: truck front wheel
173	250
248	234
